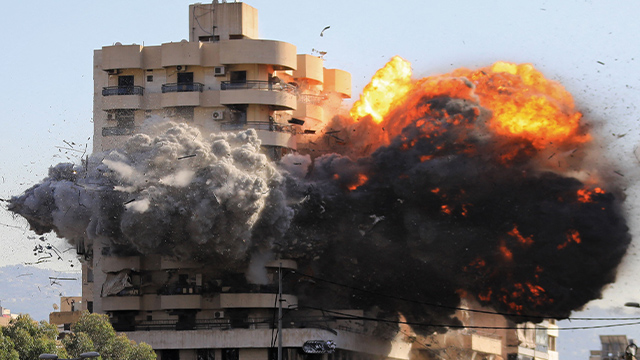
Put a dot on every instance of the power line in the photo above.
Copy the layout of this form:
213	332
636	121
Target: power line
345	316
460	308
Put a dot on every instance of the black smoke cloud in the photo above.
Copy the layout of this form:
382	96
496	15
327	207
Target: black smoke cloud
428	218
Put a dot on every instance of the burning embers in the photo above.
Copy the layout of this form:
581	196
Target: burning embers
455	184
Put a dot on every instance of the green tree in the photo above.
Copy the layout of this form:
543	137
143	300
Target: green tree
76	344
26	339
31	338
6	348
93	332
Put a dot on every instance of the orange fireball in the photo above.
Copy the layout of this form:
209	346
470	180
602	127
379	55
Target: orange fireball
389	84
522	103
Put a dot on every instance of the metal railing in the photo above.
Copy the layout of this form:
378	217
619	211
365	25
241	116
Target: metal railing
182	87
122	90
243	323
256	85
258	125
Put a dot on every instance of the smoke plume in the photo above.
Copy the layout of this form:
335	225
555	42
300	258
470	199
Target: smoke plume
432	204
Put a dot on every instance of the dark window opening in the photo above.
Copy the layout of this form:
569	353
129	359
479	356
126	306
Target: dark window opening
208	38
186	320
89	275
90	306
185	78
239	113
206	354
124	321
273	354
238	77
231	354
236	37
149	78
125	81
172	354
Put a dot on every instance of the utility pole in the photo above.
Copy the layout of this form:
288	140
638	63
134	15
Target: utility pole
280	312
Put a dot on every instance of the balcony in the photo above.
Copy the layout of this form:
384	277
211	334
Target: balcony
281	55
115	263
122	97
122	90
173	302
254	300
121	303
180	53
310	68
181	94
182	87
336	80
122	57
280	96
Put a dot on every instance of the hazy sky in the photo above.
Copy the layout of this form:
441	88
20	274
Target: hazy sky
591	47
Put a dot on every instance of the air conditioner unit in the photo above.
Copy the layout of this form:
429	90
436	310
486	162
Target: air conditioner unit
219	71
219	314
218	115
113	71
181	67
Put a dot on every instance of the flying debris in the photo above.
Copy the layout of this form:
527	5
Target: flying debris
322	32
483	179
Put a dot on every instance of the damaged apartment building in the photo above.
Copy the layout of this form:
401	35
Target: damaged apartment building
223	79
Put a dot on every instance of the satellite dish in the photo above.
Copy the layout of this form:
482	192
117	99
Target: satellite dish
55	306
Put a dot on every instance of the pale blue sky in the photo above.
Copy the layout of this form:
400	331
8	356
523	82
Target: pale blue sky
590	46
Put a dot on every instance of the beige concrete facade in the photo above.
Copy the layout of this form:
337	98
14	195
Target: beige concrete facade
489	336
68	312
224	78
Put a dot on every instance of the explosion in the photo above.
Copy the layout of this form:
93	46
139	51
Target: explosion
473	182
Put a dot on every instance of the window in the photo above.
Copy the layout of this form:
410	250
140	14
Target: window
170	355
125	81
89	275
205	354
90	306
231	354
238	77
273	354
185	77
542	339
149	78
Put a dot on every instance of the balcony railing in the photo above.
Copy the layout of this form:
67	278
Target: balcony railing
239	323
258	125
118	130
182	87
256	85
122	90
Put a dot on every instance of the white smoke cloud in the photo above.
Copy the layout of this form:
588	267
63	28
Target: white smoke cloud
176	192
